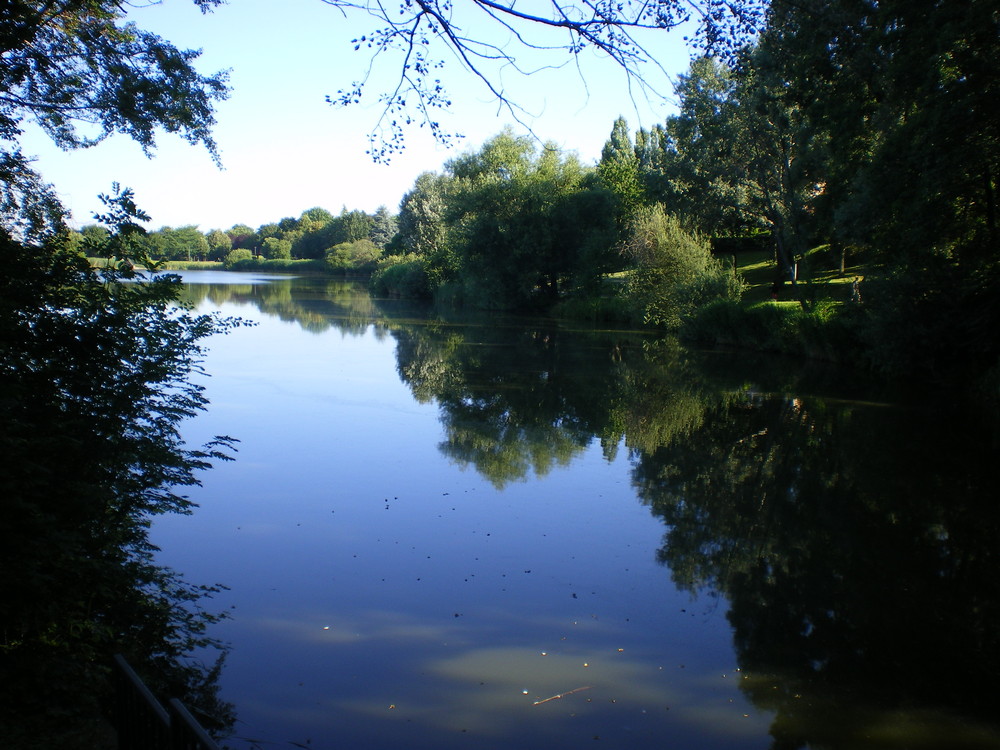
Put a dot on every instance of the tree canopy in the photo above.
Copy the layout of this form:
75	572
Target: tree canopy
82	72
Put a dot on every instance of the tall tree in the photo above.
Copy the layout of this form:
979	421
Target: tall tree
619	169
702	172
906	94
384	227
219	244
907	91
423	228
517	229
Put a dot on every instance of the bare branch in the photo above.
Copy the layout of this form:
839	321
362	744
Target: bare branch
425	32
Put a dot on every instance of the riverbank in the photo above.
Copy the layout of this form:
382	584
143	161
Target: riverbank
312	267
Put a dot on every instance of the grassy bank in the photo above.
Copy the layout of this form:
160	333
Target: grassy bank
258	265
814	318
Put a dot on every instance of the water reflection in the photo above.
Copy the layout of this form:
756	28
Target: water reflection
850	535
856	546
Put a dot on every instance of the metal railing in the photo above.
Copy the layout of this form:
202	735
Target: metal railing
143	723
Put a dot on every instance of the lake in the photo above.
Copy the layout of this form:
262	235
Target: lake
493	532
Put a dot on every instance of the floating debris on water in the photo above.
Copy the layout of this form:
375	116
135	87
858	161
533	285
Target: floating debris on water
560	695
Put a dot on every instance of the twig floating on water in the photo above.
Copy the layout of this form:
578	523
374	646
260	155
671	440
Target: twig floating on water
561	695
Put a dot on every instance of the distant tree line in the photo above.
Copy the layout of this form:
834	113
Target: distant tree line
349	241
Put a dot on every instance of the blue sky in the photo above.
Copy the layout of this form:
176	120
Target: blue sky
284	149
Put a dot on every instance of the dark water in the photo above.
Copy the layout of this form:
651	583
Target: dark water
508	533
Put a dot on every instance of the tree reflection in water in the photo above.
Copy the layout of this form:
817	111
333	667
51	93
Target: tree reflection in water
856	546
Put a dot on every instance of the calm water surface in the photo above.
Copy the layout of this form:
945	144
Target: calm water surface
497	533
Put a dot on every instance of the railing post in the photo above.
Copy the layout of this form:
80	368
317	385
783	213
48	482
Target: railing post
185	731
143	724
141	721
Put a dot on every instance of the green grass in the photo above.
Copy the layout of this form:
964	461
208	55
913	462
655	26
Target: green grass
819	280
192	265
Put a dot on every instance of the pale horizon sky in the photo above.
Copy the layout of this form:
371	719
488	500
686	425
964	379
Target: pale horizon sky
285	150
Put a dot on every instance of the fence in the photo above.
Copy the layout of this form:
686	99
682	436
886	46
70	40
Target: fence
143	723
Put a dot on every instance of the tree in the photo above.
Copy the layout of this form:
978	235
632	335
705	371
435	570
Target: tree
904	95
318	216
357	257
516	233
77	70
219	243
242	235
237	255
906	92
701	172
350	226
269	230
183	243
422	239
384	227
193	242
422	225
275	249
619	169
288	224
94	234
98	375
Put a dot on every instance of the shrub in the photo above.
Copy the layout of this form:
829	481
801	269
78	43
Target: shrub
675	271
275	249
240	254
766	326
601	309
402	276
357	257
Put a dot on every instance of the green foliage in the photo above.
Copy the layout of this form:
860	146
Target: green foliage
384	227
316	216
96	368
401	276
185	243
80	63
241	235
274	249
520	224
675	272
904	92
238	255
619	171
97	377
350	226
423	226
219	243
357	257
